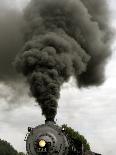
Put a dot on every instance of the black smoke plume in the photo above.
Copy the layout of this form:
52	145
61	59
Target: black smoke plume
63	38
11	38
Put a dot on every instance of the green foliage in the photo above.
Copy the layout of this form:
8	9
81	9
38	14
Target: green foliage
21	153
6	148
74	135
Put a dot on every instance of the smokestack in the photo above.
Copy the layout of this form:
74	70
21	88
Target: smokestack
63	38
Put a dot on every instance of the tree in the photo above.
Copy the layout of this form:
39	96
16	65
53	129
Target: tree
21	153
75	136
6	148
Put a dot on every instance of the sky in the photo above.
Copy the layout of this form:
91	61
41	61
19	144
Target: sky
91	111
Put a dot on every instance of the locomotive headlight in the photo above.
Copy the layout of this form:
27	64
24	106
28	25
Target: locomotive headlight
42	143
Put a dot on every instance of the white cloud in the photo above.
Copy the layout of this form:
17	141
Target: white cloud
14	123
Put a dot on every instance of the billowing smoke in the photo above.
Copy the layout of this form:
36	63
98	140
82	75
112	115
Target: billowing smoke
11	38
63	38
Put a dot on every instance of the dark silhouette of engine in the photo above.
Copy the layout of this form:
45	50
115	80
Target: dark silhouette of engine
50	139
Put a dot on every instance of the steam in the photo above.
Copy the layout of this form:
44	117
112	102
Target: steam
63	38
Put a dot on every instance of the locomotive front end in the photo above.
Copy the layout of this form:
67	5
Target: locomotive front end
47	139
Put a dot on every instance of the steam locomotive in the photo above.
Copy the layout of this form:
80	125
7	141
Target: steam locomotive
50	139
